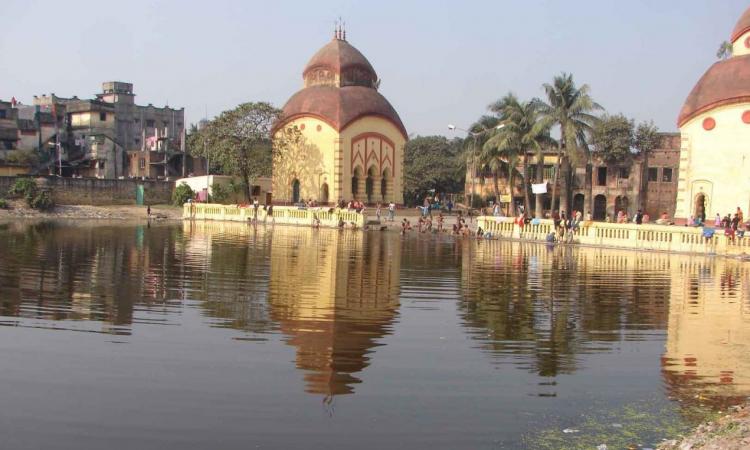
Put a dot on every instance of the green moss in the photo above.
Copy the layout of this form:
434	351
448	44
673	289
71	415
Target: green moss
635	424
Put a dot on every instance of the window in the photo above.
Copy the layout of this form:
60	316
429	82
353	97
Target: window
3	114
601	176
666	175
624	172
8	145
142	163
150	123
653	174
103	117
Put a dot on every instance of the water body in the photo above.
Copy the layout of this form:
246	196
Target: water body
223	336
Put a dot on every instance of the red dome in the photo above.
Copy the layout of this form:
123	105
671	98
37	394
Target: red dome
339	106
726	82
742	27
337	56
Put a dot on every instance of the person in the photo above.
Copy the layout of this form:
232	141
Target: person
646	218
717	220
496	210
391	211
148	210
739	214
269	213
736	221
255	208
639	217
377	211
440	220
450	206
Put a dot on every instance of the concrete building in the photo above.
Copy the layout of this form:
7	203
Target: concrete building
353	140
626	186
715	127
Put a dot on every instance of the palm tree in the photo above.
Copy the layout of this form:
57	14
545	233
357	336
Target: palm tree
523	133
570	108
474	144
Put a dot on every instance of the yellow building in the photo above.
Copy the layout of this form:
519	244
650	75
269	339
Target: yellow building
715	127
352	138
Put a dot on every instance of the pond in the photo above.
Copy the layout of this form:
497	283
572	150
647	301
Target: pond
220	335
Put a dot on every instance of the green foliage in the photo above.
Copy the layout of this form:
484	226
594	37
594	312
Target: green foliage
724	51
22	158
219	193
646	137
432	162
613	137
3	203
23	187
182	194
41	201
238	142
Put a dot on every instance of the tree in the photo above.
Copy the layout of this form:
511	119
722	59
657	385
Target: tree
570	108
613	138
432	162
476	155
522	133
239	141
724	51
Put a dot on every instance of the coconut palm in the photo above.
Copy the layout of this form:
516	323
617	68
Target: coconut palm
475	157
569	107
523	133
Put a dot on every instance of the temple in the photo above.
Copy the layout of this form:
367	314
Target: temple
715	127
352	139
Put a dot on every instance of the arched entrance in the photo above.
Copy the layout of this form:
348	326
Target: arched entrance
578	200
384	183
295	191
369	184
356	177
699	210
621	204
600	207
324	193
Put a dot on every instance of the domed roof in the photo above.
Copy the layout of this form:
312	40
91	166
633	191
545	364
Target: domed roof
742	27
339	106
726	82
338	55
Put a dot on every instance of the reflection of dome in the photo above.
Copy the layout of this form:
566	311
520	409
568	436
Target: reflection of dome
742	27
725	83
341	106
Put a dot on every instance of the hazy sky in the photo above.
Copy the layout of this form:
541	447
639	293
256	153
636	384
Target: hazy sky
440	62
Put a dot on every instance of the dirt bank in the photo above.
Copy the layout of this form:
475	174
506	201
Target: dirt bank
730	432
19	210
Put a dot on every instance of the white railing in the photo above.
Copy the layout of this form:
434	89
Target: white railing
325	217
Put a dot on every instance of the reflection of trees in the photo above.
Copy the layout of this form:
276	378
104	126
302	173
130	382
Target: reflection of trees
102	273
539	308
334	295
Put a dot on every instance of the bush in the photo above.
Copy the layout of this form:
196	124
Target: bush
219	193
182	194
24	187
3	203
42	201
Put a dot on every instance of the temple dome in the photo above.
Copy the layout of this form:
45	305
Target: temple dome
725	83
339	107
742	27
337	56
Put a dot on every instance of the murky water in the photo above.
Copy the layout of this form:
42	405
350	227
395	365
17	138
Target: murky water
222	336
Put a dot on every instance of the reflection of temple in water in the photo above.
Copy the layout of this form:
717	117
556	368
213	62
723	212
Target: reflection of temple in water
334	295
708	338
540	308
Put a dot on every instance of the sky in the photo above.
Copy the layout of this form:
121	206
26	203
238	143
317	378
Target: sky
440	62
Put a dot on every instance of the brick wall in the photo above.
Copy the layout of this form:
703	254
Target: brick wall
93	191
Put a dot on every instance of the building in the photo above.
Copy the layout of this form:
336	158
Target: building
621	186
352	139
715	127
204	185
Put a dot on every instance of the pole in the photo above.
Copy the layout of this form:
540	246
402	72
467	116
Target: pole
473	171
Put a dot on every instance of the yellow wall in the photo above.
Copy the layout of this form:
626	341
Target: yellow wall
311	162
715	163
383	127
325	157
